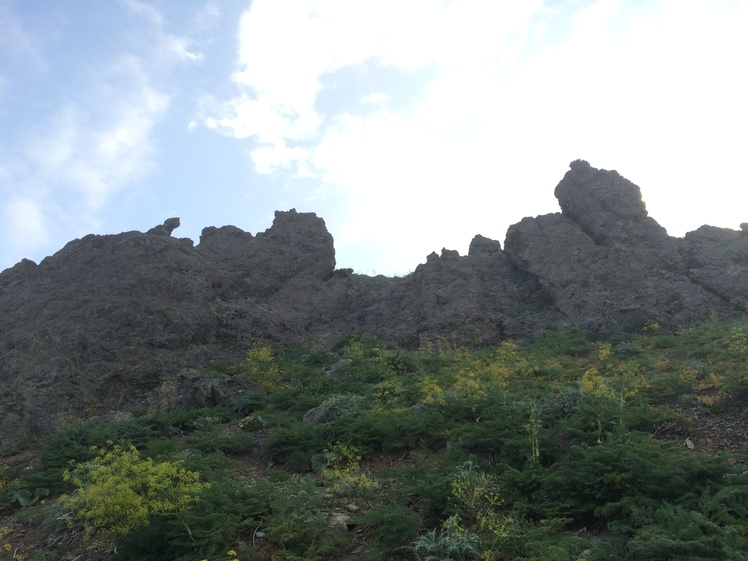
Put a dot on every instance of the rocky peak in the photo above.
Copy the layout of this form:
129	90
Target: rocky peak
606	206
297	243
481	245
165	229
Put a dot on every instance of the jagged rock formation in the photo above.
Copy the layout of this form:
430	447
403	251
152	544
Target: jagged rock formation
114	322
608	266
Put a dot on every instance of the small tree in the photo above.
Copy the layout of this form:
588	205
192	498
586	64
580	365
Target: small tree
118	492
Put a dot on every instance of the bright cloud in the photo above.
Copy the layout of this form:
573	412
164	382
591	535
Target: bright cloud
96	158
622	89
179	46
73	155
286	48
376	98
408	126
24	225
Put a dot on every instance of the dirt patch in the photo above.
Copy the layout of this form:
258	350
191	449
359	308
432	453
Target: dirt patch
715	426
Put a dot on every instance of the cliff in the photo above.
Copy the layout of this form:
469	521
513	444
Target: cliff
108	322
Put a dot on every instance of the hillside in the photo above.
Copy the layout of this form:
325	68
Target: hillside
109	320
562	447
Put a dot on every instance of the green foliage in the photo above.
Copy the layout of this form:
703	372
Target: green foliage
557	448
393	525
9	486
735	375
117	492
288	516
675	533
448	544
341	408
626	475
295	444
397	429
477	495
261	367
5	545
344	473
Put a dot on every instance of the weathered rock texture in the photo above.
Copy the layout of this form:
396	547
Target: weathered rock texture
113	322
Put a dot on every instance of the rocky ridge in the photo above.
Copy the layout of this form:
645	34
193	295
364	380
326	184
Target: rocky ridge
114	322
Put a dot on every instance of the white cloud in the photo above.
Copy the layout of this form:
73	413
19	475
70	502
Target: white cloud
86	130
179	47
163	44
24	225
515	92
96	157
145	10
375	98
268	158
285	49
207	16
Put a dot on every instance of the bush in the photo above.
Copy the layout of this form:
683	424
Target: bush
117	493
396	429
340	408
627	472
393	526
448	544
295	444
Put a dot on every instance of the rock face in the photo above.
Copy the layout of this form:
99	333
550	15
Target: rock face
116	322
608	266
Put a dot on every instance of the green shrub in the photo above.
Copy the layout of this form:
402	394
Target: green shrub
291	522
395	429
626	472
9	485
426	484
447	544
117	493
340	408
393	526
295	444
673	533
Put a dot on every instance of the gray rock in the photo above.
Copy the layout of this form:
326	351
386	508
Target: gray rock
717	259
165	229
195	390
338	366
119	320
481	245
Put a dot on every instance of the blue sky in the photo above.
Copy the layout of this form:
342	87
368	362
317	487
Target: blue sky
407	126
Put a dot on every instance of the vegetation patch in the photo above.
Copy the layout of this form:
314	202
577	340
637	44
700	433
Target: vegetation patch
561	447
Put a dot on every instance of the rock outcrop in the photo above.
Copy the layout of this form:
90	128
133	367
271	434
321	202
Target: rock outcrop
116	322
608	266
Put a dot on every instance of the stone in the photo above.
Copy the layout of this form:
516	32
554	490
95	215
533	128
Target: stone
165	229
481	245
606	206
195	390
717	259
338	366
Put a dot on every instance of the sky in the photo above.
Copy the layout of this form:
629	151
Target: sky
407	125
